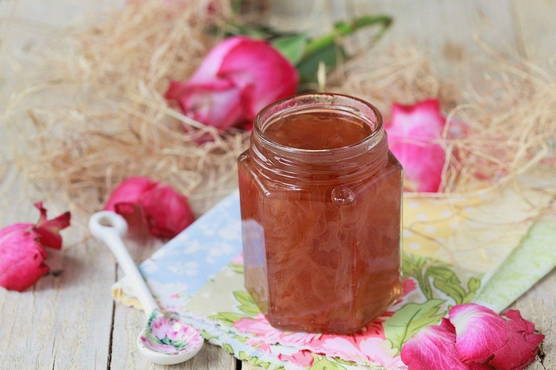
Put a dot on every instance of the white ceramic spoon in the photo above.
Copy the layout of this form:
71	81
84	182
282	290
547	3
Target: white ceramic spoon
165	340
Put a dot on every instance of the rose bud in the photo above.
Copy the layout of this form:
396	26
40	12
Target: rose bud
162	209
22	253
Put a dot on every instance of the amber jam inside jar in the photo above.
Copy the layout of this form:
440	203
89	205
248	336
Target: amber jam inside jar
320	206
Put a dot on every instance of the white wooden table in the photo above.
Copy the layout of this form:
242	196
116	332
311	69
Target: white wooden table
68	319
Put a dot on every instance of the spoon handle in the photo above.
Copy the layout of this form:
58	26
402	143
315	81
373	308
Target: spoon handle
109	227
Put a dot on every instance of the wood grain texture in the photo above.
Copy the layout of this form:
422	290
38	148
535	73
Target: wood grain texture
64	321
70	322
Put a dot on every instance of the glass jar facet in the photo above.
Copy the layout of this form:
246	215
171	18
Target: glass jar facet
321	226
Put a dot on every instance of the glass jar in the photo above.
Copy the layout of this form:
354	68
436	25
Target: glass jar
320	206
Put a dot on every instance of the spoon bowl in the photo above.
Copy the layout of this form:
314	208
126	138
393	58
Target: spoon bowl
166	340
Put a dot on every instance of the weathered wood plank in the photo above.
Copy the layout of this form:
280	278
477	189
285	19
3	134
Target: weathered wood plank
64	321
448	31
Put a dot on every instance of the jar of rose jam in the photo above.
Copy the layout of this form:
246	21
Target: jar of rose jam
320	207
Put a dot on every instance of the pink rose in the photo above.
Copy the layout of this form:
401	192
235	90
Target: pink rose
164	211
474	337
234	82
22	254
414	133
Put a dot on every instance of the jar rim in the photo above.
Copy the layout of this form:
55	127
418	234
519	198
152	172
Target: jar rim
342	102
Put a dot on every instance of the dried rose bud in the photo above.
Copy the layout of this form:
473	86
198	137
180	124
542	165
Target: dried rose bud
165	211
22	253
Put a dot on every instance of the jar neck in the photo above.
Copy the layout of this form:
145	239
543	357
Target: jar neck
355	160
342	163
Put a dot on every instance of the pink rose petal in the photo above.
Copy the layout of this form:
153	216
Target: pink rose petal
413	135
479	332
522	345
237	78
262	73
129	191
476	338
49	230
432	348
165	211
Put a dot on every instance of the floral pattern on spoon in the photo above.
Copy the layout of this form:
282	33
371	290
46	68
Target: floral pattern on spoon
167	334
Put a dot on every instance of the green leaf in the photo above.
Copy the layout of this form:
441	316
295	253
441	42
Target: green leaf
292	47
331	55
228	348
473	284
448	282
248	305
251	310
239	338
444	273
344	362
413	266
227	317
407	321
257	31
205	334
243	297
323	363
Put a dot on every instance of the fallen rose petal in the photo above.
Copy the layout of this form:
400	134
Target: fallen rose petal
22	254
432	348
237	78
164	211
167	211
413	135
480	332
522	345
49	230
477	338
129	191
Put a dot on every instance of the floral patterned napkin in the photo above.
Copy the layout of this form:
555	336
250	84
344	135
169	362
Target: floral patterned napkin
192	275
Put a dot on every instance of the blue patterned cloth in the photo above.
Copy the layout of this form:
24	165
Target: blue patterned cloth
198	253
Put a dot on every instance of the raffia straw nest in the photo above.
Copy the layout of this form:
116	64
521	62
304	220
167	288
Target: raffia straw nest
110	120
